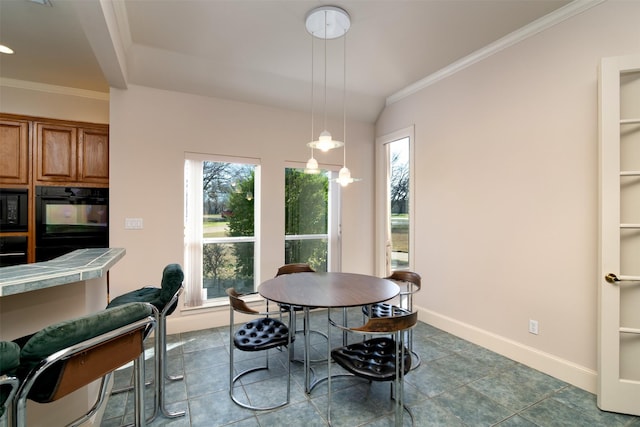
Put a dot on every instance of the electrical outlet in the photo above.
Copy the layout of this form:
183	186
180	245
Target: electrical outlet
533	327
133	223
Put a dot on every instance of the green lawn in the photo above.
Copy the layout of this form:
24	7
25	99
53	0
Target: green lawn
214	226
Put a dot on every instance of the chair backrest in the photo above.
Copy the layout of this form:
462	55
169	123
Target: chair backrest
65	356
172	278
295	268
238	303
407	276
386	325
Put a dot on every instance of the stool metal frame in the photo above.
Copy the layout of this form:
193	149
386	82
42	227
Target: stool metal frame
160	366
14	383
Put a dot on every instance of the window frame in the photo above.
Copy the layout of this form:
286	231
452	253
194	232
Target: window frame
197	206
334	225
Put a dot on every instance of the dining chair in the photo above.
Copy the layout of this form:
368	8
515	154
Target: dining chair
410	283
262	333
294	309
69	355
383	357
9	361
165	299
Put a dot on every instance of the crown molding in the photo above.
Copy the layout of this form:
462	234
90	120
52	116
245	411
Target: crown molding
574	8
59	90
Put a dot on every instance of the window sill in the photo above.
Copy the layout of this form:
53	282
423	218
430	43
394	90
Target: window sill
218	305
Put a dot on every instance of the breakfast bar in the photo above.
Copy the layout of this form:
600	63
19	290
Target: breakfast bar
33	296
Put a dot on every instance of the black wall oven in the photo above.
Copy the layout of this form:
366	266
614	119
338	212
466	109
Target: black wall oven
14	218
70	218
14	203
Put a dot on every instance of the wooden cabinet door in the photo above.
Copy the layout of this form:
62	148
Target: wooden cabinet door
56	156
14	152
93	155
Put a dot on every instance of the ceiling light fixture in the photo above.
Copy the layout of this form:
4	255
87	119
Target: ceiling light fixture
5	49
326	23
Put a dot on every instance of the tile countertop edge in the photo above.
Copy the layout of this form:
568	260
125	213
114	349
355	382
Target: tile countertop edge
79	265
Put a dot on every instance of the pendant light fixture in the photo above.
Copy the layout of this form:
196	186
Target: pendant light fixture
344	176
326	23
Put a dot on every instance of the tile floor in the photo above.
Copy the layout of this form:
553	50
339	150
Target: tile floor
457	384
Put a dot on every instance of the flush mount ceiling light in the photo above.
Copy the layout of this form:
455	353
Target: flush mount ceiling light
5	49
325	23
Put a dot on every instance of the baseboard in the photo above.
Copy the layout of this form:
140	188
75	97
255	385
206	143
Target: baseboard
557	367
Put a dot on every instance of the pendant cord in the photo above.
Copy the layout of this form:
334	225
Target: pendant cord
325	70
312	92
344	102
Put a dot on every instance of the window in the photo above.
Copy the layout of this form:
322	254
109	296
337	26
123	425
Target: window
395	189
220	235
311	212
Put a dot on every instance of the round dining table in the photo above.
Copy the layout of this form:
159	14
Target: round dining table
326	290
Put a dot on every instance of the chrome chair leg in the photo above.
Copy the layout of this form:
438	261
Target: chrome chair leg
161	362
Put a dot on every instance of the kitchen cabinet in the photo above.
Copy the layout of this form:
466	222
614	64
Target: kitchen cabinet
55	154
93	155
14	151
68	154
38	151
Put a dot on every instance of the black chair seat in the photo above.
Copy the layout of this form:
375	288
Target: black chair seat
383	310
287	307
372	359
261	334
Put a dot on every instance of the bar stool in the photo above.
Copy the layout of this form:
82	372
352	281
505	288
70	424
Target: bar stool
165	299
260	334
9	361
69	355
410	283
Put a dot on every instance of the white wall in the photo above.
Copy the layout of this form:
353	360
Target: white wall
150	131
506	191
54	103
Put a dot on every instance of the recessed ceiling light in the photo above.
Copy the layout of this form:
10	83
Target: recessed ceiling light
42	2
5	49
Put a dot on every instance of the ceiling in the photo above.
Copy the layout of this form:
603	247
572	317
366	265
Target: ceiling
254	51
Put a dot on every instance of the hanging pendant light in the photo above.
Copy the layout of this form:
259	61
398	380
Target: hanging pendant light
312	163
326	22
344	175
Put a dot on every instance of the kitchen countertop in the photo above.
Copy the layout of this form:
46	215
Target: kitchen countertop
76	266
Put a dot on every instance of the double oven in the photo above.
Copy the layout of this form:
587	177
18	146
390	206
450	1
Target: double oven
69	218
63	219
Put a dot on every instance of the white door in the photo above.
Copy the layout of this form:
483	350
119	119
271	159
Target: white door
619	270
394	202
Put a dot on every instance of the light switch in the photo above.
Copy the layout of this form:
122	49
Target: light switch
133	223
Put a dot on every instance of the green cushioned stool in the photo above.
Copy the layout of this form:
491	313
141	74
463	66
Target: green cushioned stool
69	355
9	361
165	299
